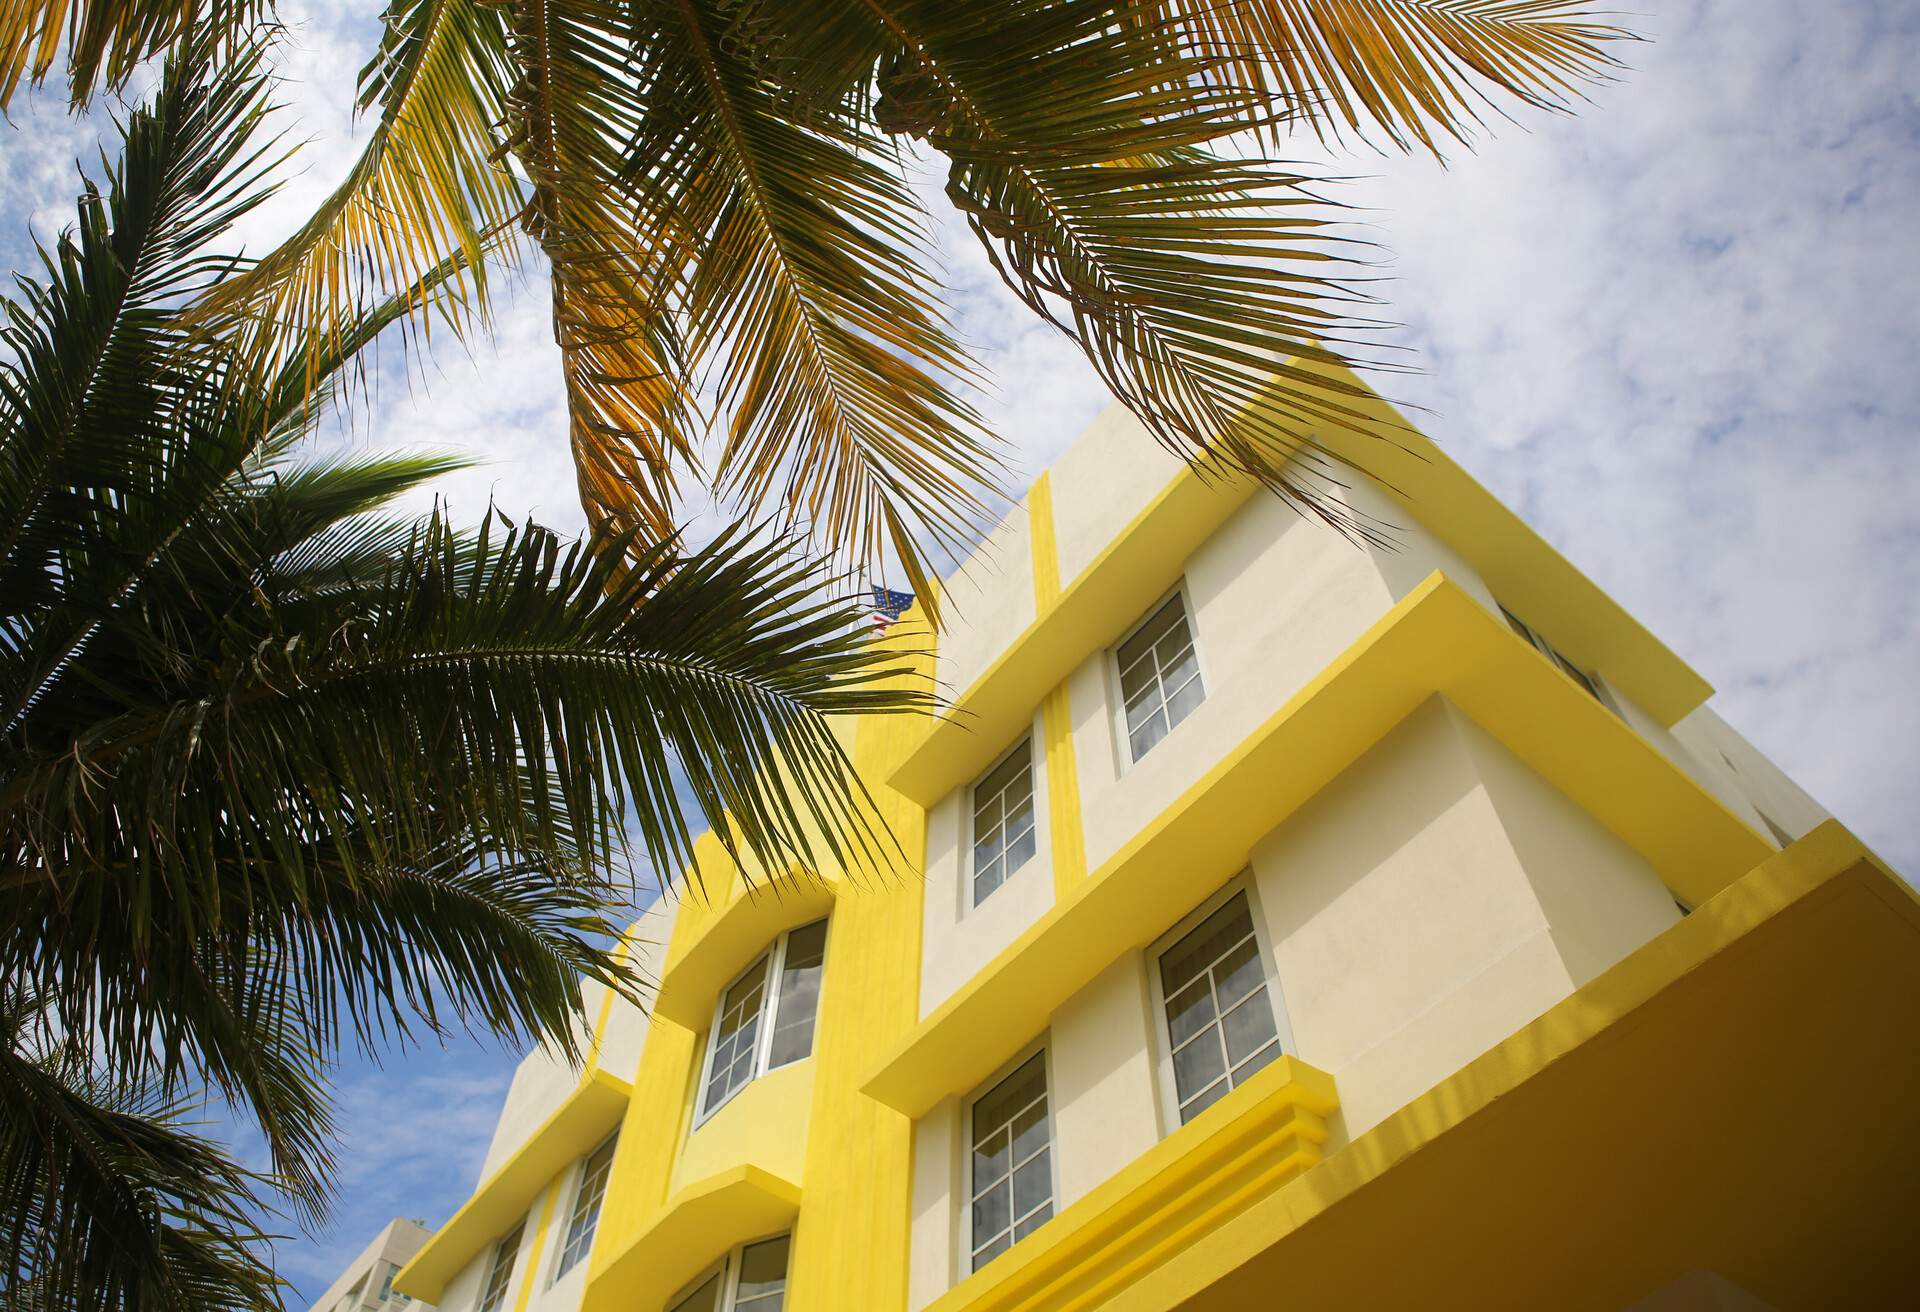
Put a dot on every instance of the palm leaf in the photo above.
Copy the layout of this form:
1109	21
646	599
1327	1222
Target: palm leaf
106	40
1416	70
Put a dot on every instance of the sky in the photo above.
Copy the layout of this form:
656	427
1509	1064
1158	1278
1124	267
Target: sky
1676	331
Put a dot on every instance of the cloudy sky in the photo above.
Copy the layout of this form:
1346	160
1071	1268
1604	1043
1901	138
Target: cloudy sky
1675	331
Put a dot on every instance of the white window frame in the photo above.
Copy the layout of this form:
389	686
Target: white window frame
561	1268
775	955
1041	1045
728	1268
1116	692
1169	1092
518	1232
1036	767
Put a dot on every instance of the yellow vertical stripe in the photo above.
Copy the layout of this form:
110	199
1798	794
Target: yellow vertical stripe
539	1245
1063	793
1046	546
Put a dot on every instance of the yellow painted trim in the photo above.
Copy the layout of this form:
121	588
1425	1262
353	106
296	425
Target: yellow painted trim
695	1228
1242	1149
1146	556
711	952
586	1117
1801	910
1064	820
1046	545
1438	640
527	1280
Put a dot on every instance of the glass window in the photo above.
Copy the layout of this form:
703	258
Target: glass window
1159	677
760	1026
1552	653
752	1278
1003	838
1220	1018
1011	1177
799	1002
586	1208
493	1295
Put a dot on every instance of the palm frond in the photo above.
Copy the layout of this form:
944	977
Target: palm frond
426	207
837	365
1417	71
106	40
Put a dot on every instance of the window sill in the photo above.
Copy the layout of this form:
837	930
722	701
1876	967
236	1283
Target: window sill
696	1226
718	950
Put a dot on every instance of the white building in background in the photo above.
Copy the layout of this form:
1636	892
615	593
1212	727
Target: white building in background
367	1283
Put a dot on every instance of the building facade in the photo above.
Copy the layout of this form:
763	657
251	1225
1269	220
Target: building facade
1296	920
367	1283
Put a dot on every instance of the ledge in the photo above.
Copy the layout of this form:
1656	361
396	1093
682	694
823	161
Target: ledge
1436	641
1145	558
1238	1151
697	1226
1139	565
575	1127
1648	1125
719	949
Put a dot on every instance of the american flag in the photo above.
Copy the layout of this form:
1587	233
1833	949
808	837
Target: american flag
888	606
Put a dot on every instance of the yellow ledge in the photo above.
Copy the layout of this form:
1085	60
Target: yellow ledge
697	1227
1647	1126
588	1116
1147	556
1240	1150
704	961
1436	640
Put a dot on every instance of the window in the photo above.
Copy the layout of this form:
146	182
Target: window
493	1295
1159	676
752	1278
1220	1013
746	1042
586	1208
1552	653
1010	1171
1003	838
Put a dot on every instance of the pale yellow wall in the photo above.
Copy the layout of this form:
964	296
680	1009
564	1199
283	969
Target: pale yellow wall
1408	938
986	603
959	937
395	1245
1601	899
1712	740
933	1266
1108	476
1104	1079
1273	598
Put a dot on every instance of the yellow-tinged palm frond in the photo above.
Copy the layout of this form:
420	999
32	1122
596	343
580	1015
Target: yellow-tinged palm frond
106	40
1416	70
427	189
1202	289
630	401
836	367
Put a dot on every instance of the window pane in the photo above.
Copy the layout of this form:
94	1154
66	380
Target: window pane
586	1208
1152	631
1183	700
1016	766
985	881
1136	681
1032	1184
500	1274
735	1035
1144	739
704	1299
1159	677
799	994
1190	1012
1248	1028
763	1276
1011	1131
1206	943
1207	1097
990	1215
1197	1065
1003	821
1238	973
1021	850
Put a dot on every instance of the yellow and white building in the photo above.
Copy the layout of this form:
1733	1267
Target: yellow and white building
1293	923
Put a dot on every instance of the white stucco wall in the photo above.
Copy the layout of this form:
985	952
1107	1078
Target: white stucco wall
1762	783
1111	473
960	938
1273	598
986	603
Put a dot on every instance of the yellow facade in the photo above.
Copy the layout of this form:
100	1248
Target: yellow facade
1514	1071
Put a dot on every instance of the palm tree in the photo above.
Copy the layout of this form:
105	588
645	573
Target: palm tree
282	769
719	188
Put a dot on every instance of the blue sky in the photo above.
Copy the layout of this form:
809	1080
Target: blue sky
1676	331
